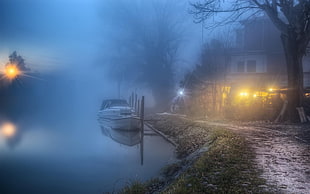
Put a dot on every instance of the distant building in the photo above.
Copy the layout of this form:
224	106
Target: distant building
258	57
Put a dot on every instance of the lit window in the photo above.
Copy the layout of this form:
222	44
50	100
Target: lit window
251	66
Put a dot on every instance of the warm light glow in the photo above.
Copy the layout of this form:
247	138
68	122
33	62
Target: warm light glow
8	129
254	95
244	94
11	71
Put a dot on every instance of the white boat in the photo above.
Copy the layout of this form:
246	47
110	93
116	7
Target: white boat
117	114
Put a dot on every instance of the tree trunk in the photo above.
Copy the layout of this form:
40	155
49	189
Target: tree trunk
293	55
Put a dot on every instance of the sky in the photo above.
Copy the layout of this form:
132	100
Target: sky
70	36
48	34
53	33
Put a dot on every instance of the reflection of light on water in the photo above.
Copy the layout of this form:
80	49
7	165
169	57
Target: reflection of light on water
8	129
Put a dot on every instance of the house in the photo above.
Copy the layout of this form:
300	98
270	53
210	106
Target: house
258	58
254	83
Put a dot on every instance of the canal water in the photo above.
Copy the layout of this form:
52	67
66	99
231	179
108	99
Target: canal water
74	155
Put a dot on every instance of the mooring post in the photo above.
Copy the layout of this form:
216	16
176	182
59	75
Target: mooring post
138	112
136	97
142	128
142	113
132	100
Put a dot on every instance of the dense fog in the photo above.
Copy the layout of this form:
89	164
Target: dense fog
59	60
84	51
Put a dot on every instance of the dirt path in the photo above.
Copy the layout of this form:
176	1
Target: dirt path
284	158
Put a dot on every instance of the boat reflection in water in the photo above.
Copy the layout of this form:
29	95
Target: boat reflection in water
125	137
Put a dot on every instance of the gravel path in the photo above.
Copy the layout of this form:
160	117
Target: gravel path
283	155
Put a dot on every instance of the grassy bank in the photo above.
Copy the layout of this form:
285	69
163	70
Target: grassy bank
226	167
188	135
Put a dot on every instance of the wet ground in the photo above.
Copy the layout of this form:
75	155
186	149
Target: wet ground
282	152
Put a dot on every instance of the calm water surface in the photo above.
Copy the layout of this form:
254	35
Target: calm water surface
74	155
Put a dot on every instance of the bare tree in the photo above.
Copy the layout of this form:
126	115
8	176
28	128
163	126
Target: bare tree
205	83
291	18
18	60
145	47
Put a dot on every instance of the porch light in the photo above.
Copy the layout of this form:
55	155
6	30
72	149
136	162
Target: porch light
244	94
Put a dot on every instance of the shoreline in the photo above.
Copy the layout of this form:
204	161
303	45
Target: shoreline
212	159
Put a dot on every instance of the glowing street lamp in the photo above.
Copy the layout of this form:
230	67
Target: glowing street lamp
11	71
181	92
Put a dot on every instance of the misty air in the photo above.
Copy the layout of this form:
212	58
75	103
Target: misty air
154	96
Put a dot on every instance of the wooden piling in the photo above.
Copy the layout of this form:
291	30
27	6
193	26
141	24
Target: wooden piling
142	129
138	112
136	98
142	113
132	100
